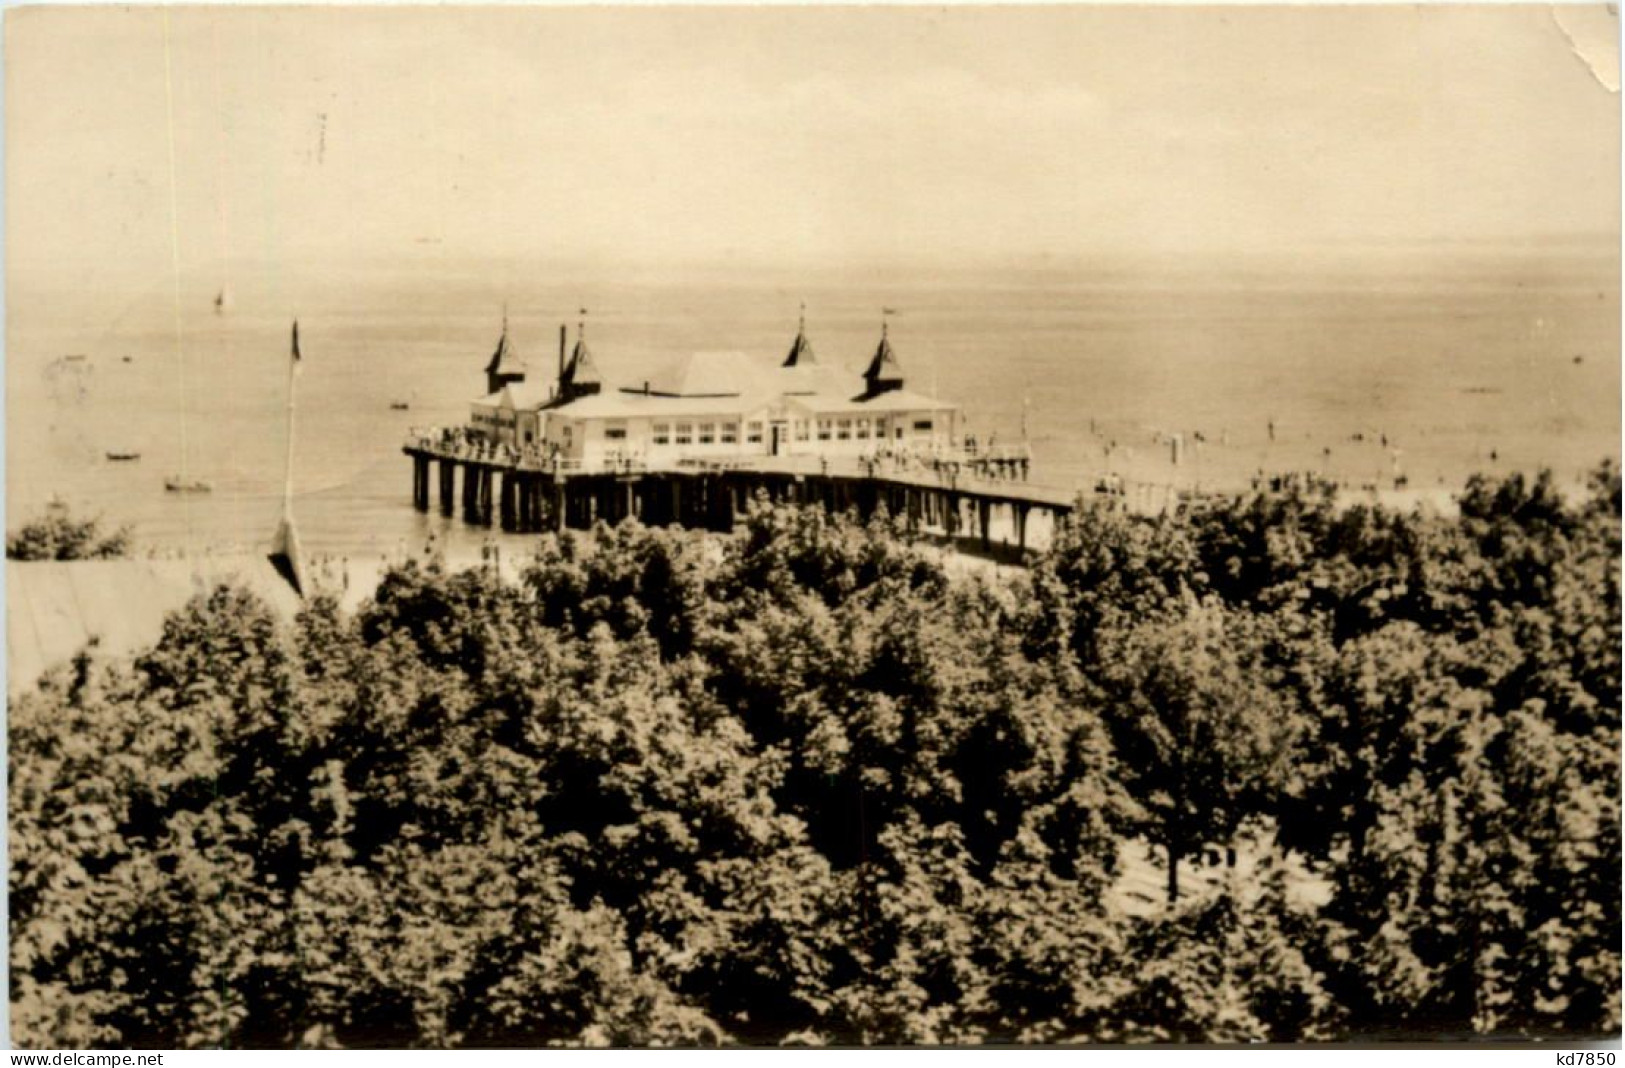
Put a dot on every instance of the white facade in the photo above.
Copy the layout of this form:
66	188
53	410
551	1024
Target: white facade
665	430
717	406
513	415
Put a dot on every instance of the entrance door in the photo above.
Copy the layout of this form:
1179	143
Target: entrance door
778	437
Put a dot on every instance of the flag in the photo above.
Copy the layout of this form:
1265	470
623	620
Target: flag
296	356
888	311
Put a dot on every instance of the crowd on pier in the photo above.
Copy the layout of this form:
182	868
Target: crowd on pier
466	443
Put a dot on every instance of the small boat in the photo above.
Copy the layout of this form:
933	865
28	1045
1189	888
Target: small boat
177	485
129	359
399	406
121	457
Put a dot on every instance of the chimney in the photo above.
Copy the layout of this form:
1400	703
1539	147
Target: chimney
645	387
562	329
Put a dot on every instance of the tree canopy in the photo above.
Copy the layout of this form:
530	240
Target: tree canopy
806	785
60	535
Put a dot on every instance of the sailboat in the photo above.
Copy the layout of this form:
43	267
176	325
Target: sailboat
223	302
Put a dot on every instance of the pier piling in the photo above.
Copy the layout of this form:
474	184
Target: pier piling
420	483
528	500
485	495
505	492
448	482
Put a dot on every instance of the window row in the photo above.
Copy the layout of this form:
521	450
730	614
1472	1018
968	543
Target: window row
847	429
707	434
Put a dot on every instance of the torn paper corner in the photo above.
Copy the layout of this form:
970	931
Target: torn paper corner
1592	33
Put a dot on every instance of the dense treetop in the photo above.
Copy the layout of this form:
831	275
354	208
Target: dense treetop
60	535
805	785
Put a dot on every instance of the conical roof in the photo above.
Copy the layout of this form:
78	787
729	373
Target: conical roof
884	366
505	361
801	350
581	370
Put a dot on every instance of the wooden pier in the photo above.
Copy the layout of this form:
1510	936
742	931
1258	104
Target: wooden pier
496	488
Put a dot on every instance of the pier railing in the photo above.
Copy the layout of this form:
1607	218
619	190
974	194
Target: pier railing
490	473
996	472
936	463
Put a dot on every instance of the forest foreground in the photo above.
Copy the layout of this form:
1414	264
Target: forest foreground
813	785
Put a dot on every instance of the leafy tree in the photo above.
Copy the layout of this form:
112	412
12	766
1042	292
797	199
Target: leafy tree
1482	900
1229	969
58	535
1204	737
1106	567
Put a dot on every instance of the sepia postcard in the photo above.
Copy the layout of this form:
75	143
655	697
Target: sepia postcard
812	526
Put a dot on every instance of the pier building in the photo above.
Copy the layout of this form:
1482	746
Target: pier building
714	405
692	444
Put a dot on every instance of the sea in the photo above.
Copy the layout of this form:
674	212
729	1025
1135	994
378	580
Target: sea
1409	368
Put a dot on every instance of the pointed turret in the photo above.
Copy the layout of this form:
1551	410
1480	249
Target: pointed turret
801	350
580	377
505	365
884	372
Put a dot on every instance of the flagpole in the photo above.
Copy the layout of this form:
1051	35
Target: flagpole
285	554
293	383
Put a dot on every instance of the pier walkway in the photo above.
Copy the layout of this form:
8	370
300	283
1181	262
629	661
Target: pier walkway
971	495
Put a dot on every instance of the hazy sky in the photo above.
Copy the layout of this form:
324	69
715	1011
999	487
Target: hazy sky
793	135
